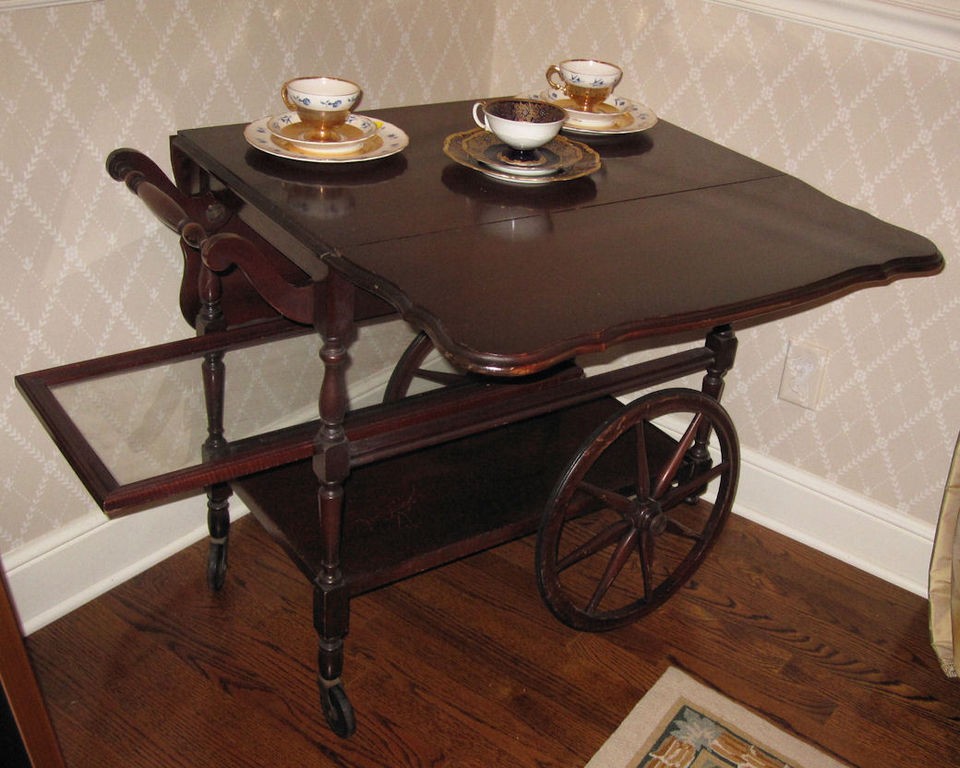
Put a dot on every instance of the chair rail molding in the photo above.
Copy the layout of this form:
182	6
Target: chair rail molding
932	26
10	5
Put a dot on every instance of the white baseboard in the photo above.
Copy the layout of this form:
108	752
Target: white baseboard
71	568
835	521
76	564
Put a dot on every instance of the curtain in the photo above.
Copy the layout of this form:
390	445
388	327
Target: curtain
945	574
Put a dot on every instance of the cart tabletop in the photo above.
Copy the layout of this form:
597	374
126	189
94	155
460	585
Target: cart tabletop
673	233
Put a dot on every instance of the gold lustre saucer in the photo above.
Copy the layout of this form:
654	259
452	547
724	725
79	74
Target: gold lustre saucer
481	150
386	141
351	137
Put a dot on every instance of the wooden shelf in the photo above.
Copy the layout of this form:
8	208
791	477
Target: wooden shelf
420	510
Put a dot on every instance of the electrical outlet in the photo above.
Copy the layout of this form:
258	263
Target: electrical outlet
803	373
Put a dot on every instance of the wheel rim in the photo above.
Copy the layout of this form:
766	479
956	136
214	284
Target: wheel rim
627	524
410	368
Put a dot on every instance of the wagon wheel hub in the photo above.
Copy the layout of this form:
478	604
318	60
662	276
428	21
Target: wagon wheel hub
650	517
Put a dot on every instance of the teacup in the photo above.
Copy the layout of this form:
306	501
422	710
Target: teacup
587	82
522	124
323	103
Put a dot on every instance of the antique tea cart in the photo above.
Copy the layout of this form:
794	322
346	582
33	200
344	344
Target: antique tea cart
512	284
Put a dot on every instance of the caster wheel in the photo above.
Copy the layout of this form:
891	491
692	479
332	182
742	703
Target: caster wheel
630	521
217	565
338	710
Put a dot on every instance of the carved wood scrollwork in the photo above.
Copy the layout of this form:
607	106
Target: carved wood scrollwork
220	253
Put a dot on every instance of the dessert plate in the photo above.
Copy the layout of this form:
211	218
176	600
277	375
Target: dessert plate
618	115
386	140
562	159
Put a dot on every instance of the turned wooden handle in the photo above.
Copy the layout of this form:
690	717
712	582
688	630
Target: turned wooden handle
132	168
166	209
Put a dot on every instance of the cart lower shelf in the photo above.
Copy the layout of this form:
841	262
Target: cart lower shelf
407	514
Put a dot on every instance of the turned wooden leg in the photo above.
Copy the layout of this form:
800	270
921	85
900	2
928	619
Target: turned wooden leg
210	320
331	463
723	342
218	524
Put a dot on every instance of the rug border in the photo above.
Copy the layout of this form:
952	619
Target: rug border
675	687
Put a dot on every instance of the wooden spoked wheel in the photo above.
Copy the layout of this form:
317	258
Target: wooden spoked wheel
410	367
630	520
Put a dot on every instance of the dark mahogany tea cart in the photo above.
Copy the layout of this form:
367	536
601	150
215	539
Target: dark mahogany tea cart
674	240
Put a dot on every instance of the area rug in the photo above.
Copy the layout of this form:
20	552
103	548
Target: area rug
681	723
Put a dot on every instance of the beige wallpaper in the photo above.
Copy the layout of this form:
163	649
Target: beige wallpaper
87	273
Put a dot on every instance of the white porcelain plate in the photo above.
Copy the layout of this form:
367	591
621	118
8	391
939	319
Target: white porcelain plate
626	116
387	140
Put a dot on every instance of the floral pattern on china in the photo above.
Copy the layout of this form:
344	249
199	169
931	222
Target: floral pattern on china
289	130
617	115
387	140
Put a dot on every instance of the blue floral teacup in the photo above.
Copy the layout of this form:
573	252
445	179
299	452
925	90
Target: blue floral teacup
587	82
322	102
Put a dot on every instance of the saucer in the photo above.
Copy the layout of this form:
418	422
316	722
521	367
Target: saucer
606	115
387	140
617	116
480	150
288	130
553	157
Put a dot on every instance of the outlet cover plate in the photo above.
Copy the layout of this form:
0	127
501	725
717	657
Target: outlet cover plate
803	372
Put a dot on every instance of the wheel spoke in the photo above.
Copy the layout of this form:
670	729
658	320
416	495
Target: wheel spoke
596	543
408	368
674	462
646	562
438	377
619	558
681	492
643	461
616	501
678	528
578	505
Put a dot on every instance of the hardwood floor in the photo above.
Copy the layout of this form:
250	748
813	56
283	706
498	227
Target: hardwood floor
464	666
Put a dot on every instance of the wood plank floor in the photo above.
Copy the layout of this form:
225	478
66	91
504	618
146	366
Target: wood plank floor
465	667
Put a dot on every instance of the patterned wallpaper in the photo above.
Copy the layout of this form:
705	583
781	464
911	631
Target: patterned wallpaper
86	272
